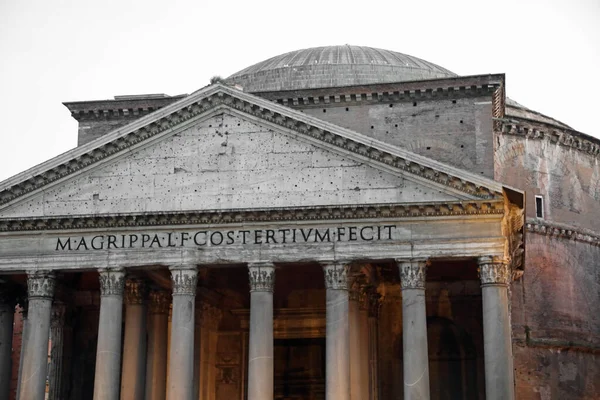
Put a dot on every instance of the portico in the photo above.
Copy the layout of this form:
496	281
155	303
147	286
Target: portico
285	269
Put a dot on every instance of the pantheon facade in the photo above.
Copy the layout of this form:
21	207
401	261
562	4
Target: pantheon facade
339	223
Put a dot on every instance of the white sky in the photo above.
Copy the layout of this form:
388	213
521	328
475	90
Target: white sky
58	50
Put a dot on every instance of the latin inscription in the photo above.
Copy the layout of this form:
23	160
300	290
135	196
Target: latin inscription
205	238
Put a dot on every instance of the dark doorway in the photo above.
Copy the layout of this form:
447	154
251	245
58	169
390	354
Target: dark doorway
300	369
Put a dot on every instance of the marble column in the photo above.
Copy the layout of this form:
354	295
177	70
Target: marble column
414	330
108	349
159	302
354	339
209	336
363	334
133	373
497	346
184	279
7	315
260	347
32	381
374	300
24	310
55	369
337	372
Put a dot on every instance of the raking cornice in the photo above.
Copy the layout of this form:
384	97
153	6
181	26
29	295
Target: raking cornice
210	97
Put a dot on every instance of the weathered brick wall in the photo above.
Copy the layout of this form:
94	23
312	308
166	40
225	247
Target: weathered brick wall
454	131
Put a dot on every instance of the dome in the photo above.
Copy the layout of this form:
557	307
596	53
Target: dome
332	66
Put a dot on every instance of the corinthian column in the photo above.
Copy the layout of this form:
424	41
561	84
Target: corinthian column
374	300
181	360
497	346
40	289
55	370
134	345
260	348
108	350
337	342
414	330
156	362
7	313
355	342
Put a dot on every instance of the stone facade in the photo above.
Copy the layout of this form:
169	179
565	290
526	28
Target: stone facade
308	241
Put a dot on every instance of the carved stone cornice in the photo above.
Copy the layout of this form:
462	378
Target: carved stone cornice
311	213
58	315
184	279
136	291
412	273
556	135
261	276
336	276
561	231
217	96
112	281
494	271
40	284
159	302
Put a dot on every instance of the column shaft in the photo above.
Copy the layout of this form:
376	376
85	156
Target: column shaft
156	361
181	357
7	314
354	339
108	350
40	289
134	344
260	349
374	304
337	372
414	330
497	345
363	334
55	370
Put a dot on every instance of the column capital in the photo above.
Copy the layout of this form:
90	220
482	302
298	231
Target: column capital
184	279
136	291
262	276
112	281
159	301
336	275
412	273
494	271
40	284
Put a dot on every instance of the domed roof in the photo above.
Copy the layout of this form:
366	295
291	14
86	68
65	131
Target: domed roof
331	66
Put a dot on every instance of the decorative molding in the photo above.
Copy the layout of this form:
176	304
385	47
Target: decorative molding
342	212
184	279
494	271
112	281
210	99
136	291
561	231
557	135
40	284
262	277
159	302
413	273
336	276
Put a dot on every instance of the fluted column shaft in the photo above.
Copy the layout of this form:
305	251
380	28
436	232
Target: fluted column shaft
55	370
337	371
497	347
181	358
40	290
133	373
260	347
159	302
7	312
414	330
108	350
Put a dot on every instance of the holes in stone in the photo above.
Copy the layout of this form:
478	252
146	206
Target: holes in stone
210	126
461	121
372	127
437	115
415	104
324	110
453	101
238	124
429	148
391	105
347	109
396	125
462	146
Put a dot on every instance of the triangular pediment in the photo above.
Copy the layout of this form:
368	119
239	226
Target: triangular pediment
220	148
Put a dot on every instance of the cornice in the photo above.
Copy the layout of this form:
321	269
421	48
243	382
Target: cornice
323	213
202	102
557	135
561	231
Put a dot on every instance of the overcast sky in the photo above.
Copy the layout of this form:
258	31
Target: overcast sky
53	51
